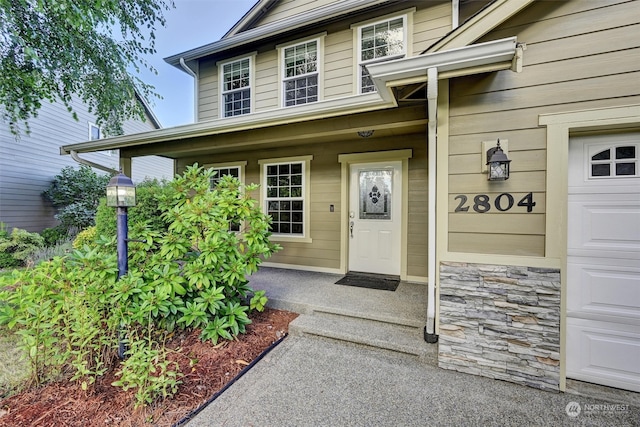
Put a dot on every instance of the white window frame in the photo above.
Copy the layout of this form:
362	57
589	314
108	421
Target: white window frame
319	40
305	237
360	64
230	165
221	90
90	127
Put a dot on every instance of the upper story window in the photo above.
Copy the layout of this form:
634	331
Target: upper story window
94	132
236	87
617	161
377	42
300	65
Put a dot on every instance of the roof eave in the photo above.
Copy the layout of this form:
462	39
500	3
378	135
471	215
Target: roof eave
481	57
273	29
323	109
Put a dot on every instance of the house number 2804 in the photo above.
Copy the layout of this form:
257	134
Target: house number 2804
503	202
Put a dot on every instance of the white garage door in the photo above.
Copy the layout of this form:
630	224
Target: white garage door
603	260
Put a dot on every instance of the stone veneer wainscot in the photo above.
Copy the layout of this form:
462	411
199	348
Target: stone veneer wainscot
501	322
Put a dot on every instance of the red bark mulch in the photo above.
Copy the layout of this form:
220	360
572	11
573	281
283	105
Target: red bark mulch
66	404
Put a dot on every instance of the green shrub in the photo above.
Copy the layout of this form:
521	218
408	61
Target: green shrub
76	193
146	211
85	237
72	311
55	235
19	245
8	261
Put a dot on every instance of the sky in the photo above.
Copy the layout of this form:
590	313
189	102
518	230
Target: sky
191	24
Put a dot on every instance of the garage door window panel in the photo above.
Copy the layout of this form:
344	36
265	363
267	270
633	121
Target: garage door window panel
619	161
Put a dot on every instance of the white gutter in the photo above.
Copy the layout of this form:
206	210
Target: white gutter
482	57
192	73
74	156
432	111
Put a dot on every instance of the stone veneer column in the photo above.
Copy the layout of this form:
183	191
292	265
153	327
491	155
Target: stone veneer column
501	322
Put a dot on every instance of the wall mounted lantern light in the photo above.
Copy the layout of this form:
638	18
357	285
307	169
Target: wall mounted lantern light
497	164
121	194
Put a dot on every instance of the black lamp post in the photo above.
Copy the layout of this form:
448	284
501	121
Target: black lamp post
121	194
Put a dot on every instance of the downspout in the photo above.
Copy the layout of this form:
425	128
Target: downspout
74	156
432	110
455	14
192	73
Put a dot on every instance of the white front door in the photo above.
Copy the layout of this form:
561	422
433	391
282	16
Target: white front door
603	260
375	212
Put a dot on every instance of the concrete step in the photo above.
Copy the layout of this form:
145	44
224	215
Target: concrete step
374	333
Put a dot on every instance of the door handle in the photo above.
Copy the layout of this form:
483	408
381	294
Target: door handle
351	228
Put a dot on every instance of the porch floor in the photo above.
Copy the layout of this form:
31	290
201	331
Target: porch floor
307	292
390	320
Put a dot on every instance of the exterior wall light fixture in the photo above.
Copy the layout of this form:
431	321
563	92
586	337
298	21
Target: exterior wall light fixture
497	164
365	133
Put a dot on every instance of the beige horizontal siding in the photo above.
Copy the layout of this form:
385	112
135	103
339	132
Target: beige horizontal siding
530	160
556	77
267	81
338	64
490	223
509	244
429	25
208	98
288	8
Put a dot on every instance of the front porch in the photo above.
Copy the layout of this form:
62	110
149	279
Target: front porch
393	320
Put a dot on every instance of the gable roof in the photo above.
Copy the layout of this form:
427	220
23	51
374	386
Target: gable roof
273	29
485	20
260	9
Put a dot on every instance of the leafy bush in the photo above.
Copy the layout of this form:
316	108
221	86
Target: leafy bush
85	237
20	245
53	236
71	312
146	211
76	193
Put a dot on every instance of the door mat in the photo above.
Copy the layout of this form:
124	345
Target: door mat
370	281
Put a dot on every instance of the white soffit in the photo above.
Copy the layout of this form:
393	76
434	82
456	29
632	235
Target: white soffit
482	57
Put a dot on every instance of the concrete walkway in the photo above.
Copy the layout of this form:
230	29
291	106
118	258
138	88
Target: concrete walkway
309	380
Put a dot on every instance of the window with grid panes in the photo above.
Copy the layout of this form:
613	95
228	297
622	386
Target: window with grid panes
300	73
617	161
233	171
285	197
236	87
382	41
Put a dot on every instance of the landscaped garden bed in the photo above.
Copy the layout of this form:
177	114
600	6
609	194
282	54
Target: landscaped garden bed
207	368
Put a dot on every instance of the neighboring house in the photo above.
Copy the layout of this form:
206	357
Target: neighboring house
29	164
368	123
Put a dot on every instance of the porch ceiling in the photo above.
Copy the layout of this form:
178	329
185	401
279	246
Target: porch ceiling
386	123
